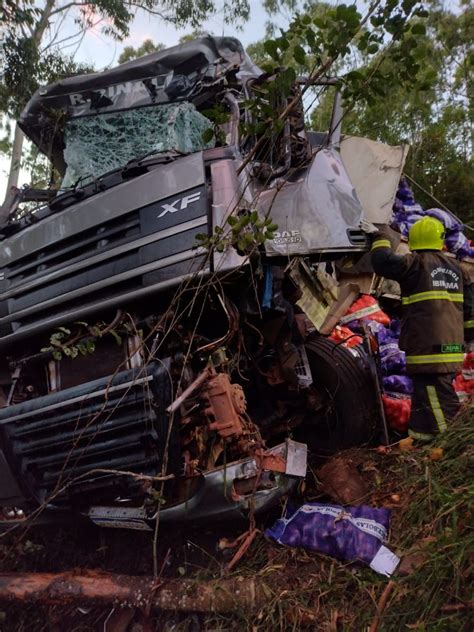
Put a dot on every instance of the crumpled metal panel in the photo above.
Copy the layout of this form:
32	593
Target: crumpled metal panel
315	212
180	72
375	170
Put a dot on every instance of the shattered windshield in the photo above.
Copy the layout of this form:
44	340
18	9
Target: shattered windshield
100	143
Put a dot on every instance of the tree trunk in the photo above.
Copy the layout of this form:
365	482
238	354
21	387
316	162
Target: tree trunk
224	596
15	161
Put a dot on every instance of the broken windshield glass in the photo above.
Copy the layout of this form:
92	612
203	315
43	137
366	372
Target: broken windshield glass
97	144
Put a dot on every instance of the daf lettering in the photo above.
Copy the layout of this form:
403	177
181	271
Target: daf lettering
180	204
287	237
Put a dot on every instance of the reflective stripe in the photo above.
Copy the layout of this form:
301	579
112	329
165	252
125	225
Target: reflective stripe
381	243
421	436
435	358
436	408
360	313
468	324
434	295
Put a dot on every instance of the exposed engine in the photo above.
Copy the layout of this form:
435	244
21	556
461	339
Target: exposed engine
141	367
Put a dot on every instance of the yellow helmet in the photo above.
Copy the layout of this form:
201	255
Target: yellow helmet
426	234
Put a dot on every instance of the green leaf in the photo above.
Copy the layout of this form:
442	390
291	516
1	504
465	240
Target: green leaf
116	336
420	52
271	48
311	38
299	54
90	346
372	49
208	135
418	29
421	13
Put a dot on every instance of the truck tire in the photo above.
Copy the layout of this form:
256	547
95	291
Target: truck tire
350	416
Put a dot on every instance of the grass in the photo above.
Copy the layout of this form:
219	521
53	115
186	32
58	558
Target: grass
432	530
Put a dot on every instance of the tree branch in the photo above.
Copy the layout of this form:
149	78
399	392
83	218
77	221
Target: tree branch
68	6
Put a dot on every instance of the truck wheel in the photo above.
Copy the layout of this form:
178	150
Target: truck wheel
343	377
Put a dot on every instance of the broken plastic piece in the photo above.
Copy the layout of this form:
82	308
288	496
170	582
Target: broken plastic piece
385	562
288	458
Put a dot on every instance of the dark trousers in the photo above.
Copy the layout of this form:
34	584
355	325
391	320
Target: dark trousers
434	403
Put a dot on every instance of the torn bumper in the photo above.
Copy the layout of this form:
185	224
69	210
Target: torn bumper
230	491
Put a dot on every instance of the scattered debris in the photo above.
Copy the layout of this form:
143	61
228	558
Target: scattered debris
407	444
341	481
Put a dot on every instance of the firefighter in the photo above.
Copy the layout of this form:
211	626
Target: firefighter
437	297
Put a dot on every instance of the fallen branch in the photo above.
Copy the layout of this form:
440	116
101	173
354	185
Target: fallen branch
245	541
224	596
456	607
374	626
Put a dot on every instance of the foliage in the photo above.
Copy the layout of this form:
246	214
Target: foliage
82	341
434	114
196	34
29	56
146	48
247	231
317	42
413	85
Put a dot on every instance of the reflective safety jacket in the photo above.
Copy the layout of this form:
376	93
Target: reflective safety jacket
437	303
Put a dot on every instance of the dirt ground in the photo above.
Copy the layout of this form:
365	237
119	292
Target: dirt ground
431	528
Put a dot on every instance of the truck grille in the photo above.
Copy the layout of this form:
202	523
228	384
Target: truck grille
115	423
108	250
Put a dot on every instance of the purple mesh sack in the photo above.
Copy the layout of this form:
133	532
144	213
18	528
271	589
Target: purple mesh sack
395	327
404	220
346	533
448	221
392	358
405	193
459	244
398	384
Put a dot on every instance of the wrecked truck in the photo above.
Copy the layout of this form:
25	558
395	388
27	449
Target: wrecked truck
141	370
